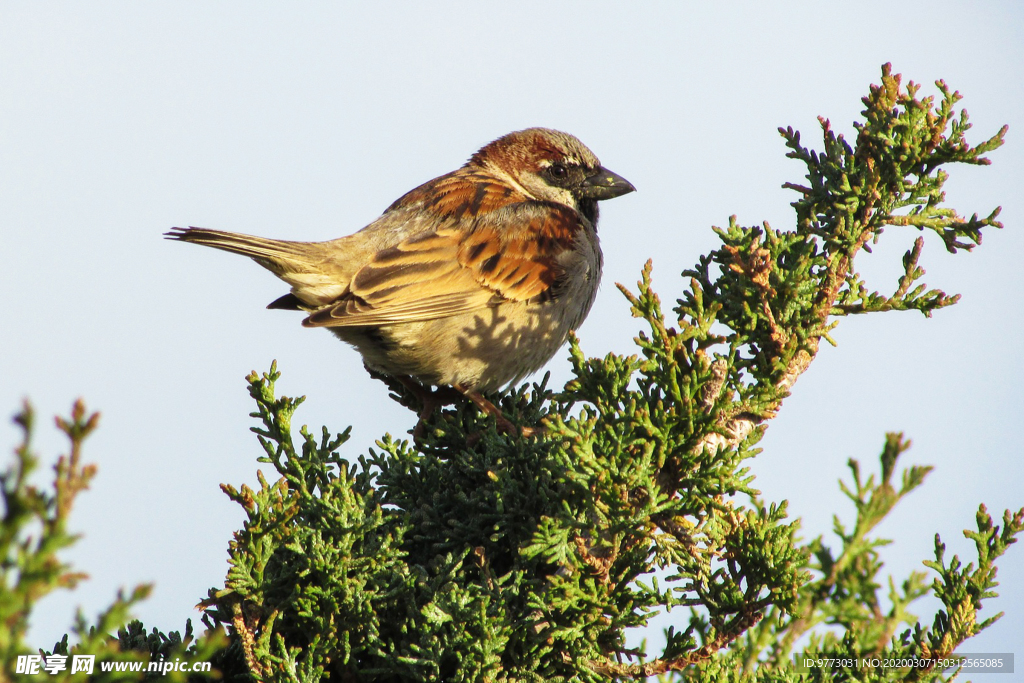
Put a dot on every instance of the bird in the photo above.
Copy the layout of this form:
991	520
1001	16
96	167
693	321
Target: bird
473	280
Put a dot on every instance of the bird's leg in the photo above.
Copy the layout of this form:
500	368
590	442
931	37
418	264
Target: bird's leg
504	425
431	400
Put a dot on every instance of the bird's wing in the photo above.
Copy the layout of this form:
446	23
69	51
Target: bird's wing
470	263
464	193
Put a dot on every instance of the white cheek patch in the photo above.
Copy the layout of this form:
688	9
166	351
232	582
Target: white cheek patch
538	188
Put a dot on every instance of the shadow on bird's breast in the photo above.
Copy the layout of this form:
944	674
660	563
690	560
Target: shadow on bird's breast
505	343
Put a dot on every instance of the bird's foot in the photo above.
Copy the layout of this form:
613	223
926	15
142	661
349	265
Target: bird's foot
430	400
504	425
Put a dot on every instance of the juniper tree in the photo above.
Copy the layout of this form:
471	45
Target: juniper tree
472	555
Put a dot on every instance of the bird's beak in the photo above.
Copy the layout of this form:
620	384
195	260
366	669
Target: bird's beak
606	185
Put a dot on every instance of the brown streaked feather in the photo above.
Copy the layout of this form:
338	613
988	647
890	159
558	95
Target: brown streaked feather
508	255
419	279
352	312
465	193
520	264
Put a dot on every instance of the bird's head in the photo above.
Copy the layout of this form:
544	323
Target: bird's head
552	166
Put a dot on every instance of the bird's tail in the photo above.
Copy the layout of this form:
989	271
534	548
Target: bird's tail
300	264
276	252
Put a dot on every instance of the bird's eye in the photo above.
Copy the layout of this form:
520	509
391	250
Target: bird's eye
558	171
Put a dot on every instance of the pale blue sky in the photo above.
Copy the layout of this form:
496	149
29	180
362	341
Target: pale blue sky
120	120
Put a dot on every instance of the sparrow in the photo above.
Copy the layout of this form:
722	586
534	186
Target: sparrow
472	280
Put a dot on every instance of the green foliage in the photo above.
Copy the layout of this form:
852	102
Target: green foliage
512	558
33	531
846	592
472	555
